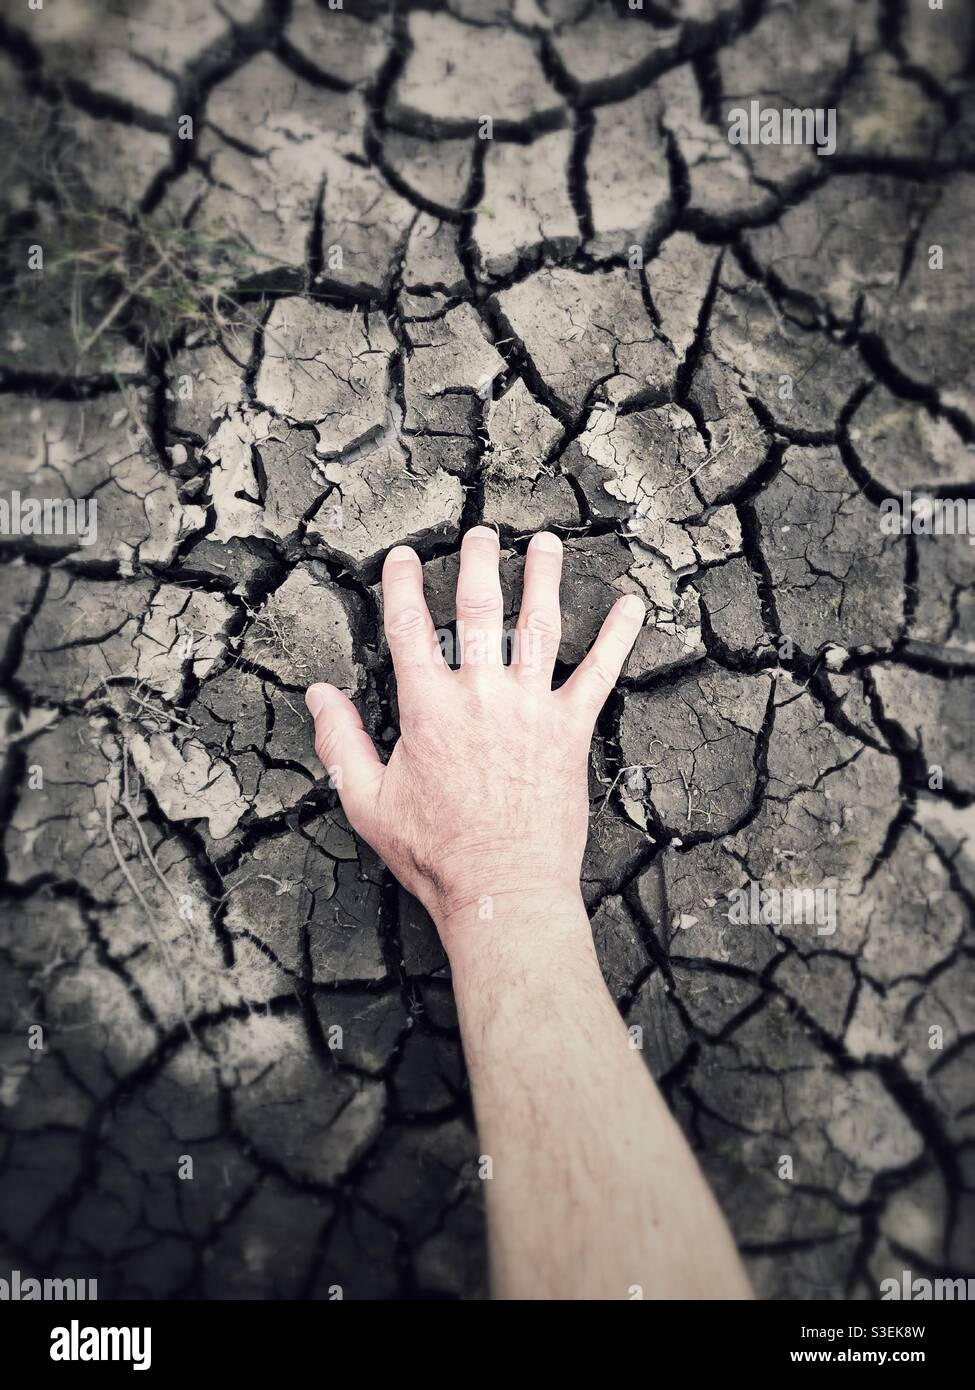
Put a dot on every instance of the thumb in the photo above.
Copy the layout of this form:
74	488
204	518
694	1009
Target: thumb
346	751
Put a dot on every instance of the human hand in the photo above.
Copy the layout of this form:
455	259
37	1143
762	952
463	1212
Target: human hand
485	794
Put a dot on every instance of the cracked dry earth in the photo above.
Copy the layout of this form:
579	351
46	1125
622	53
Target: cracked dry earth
335	319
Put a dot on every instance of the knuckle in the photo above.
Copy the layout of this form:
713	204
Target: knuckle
326	744
546	622
422	730
408	622
479	605
537	641
602	675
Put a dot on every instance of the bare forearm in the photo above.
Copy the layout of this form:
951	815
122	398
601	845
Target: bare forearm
594	1192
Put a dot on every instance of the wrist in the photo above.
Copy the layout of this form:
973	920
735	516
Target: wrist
515	930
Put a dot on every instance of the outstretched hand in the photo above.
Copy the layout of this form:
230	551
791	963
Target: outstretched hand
486	791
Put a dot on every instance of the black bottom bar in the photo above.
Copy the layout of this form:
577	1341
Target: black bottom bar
255	1338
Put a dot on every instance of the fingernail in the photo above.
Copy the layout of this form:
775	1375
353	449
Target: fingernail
401	552
484	533
633	607
315	697
546	540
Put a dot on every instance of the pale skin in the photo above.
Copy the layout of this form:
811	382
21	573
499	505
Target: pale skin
482	812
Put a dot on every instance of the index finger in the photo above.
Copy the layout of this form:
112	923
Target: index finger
412	638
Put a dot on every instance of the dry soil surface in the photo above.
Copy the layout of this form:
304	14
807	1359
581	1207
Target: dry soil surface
334	317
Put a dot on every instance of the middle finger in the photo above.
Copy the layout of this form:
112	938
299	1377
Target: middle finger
480	605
